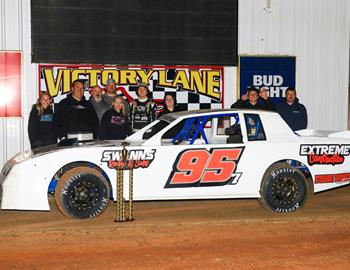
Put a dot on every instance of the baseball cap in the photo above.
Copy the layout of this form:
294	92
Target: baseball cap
110	81
143	84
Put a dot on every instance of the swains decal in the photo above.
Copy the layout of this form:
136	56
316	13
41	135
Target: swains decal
324	154
332	178
200	167
137	158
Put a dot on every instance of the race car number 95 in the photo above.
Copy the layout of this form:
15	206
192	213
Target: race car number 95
200	167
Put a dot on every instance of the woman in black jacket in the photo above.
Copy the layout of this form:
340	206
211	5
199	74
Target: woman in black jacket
114	123
41	129
169	104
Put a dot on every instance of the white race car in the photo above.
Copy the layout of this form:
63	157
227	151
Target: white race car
186	155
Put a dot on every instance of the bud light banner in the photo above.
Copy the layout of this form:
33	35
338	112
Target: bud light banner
276	74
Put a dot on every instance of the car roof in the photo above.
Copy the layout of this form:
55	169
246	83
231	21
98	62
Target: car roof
170	117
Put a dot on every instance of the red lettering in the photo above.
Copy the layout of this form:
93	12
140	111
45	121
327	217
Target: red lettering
332	178
325	159
199	167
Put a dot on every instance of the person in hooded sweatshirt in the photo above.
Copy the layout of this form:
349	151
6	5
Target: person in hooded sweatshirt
41	129
293	112
115	124
75	114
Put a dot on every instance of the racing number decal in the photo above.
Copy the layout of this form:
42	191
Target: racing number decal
198	167
190	166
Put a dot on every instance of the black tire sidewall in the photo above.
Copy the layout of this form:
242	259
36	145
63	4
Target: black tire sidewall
70	208
272	176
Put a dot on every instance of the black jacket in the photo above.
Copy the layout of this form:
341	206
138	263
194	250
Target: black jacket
142	113
114	126
75	116
261	104
166	111
41	129
294	115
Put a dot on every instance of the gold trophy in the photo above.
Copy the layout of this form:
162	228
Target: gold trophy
121	205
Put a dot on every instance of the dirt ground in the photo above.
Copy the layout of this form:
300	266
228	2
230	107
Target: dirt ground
217	234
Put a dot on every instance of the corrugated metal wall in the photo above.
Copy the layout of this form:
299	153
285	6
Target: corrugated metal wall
317	33
15	36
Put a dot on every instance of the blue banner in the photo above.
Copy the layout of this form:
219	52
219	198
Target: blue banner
276	74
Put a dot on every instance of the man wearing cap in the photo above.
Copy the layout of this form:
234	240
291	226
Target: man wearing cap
142	109
293	112
250	100
111	93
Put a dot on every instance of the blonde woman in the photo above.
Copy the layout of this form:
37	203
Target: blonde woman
41	129
114	123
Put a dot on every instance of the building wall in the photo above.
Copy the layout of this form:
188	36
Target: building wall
315	31
15	36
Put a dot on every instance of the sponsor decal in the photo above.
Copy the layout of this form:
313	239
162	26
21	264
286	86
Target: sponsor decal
287	210
200	167
332	178
201	80
137	158
100	209
274	73
276	173
325	154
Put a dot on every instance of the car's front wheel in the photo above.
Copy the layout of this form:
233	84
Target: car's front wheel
283	189
82	192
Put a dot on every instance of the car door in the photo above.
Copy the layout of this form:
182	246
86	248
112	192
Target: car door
197	158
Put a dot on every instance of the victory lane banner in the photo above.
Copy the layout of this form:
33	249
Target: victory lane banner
276	74
195	87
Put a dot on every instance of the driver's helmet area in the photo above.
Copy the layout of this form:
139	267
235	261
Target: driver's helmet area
206	129
255	130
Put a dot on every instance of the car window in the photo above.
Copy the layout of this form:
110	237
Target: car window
218	129
255	129
188	131
154	129
229	128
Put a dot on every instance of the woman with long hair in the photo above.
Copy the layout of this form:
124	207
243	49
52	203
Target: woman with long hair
41	128
169	105
115	124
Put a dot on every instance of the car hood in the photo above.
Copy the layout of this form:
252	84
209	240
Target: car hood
53	148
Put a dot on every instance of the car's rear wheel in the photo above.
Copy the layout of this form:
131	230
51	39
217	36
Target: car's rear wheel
82	192
283	189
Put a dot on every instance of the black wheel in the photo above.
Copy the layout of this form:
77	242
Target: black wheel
82	192
283	189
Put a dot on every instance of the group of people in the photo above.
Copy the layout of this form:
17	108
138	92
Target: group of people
107	116
292	112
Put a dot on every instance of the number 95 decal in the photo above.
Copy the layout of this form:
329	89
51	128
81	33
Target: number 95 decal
200	167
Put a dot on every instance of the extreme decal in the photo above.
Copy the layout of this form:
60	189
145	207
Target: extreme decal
332	178
200	167
324	154
137	158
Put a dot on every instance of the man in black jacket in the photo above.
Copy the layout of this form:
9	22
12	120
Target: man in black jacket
251	100
74	114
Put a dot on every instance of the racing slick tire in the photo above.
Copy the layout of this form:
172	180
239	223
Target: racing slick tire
82	192
283	189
